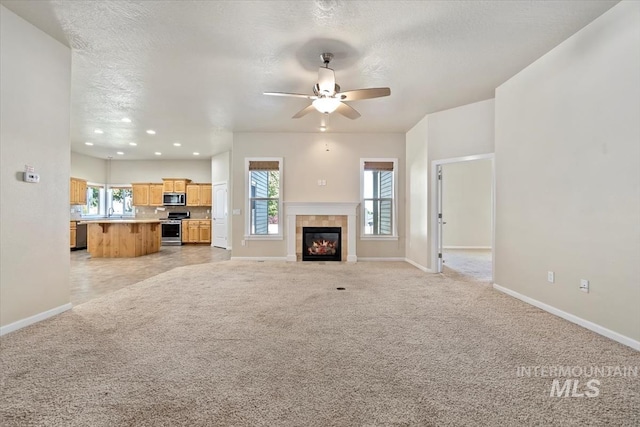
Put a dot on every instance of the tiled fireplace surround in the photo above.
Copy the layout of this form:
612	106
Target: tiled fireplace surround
321	214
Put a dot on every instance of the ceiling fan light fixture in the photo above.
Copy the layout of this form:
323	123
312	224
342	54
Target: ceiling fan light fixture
326	105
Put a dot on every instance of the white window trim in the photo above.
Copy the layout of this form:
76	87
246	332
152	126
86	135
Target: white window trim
247	196
394	211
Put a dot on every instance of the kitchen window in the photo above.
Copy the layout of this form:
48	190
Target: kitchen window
378	196
120	201
95	201
264	198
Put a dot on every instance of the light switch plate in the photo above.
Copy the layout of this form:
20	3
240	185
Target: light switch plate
584	285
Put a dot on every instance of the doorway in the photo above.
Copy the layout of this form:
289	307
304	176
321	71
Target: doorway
463	216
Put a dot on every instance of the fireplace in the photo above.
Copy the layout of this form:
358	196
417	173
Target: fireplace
321	214
321	244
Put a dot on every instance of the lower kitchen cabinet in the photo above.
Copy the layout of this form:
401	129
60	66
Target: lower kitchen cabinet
196	231
72	234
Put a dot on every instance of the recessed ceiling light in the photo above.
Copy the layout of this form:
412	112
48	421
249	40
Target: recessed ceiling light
98	131
120	152
133	144
157	153
196	153
151	132
126	119
323	128
88	143
177	144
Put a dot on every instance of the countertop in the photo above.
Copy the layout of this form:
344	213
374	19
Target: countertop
120	221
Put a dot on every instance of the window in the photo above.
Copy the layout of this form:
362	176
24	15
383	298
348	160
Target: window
378	177
116	200
120	201
264	198
95	198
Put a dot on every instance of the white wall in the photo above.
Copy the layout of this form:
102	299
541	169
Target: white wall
417	205
467	203
90	168
220	167
128	171
306	160
34	123
568	174
458	132
97	170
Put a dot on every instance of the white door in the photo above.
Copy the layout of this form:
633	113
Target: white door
220	215
440	220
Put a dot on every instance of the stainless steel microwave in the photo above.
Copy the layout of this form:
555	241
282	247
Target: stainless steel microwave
174	199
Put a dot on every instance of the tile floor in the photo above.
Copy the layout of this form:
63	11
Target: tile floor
472	263
93	277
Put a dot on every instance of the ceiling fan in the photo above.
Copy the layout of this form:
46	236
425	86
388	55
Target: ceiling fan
327	97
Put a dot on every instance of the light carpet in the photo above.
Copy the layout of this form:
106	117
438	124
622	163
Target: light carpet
275	344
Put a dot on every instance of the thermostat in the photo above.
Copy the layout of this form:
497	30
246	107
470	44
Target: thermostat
31	177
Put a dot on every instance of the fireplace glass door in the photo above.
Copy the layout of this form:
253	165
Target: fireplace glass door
321	244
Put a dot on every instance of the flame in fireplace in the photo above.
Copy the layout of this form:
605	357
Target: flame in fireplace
322	247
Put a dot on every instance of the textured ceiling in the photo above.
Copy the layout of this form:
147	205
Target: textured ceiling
195	71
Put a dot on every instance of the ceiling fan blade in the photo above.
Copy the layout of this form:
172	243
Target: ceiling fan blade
347	111
304	112
355	95
326	81
294	95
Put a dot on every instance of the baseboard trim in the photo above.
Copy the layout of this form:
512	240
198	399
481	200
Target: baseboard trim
370	258
11	327
466	247
622	339
418	266
258	258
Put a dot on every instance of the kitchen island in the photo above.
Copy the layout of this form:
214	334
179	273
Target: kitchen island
122	238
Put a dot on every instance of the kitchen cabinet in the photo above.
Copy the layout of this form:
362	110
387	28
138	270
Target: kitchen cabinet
155	194
147	194
204	231
77	191
193	195
205	194
198	194
175	185
72	235
140	194
196	231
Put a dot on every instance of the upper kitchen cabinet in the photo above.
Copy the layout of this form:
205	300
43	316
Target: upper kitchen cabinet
78	191
155	194
147	194
140	194
198	194
175	185
205	194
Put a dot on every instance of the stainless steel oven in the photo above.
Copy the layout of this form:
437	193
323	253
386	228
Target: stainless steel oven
172	228
171	232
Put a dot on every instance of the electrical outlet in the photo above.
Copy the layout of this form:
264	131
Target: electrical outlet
550	276
242	242
584	285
